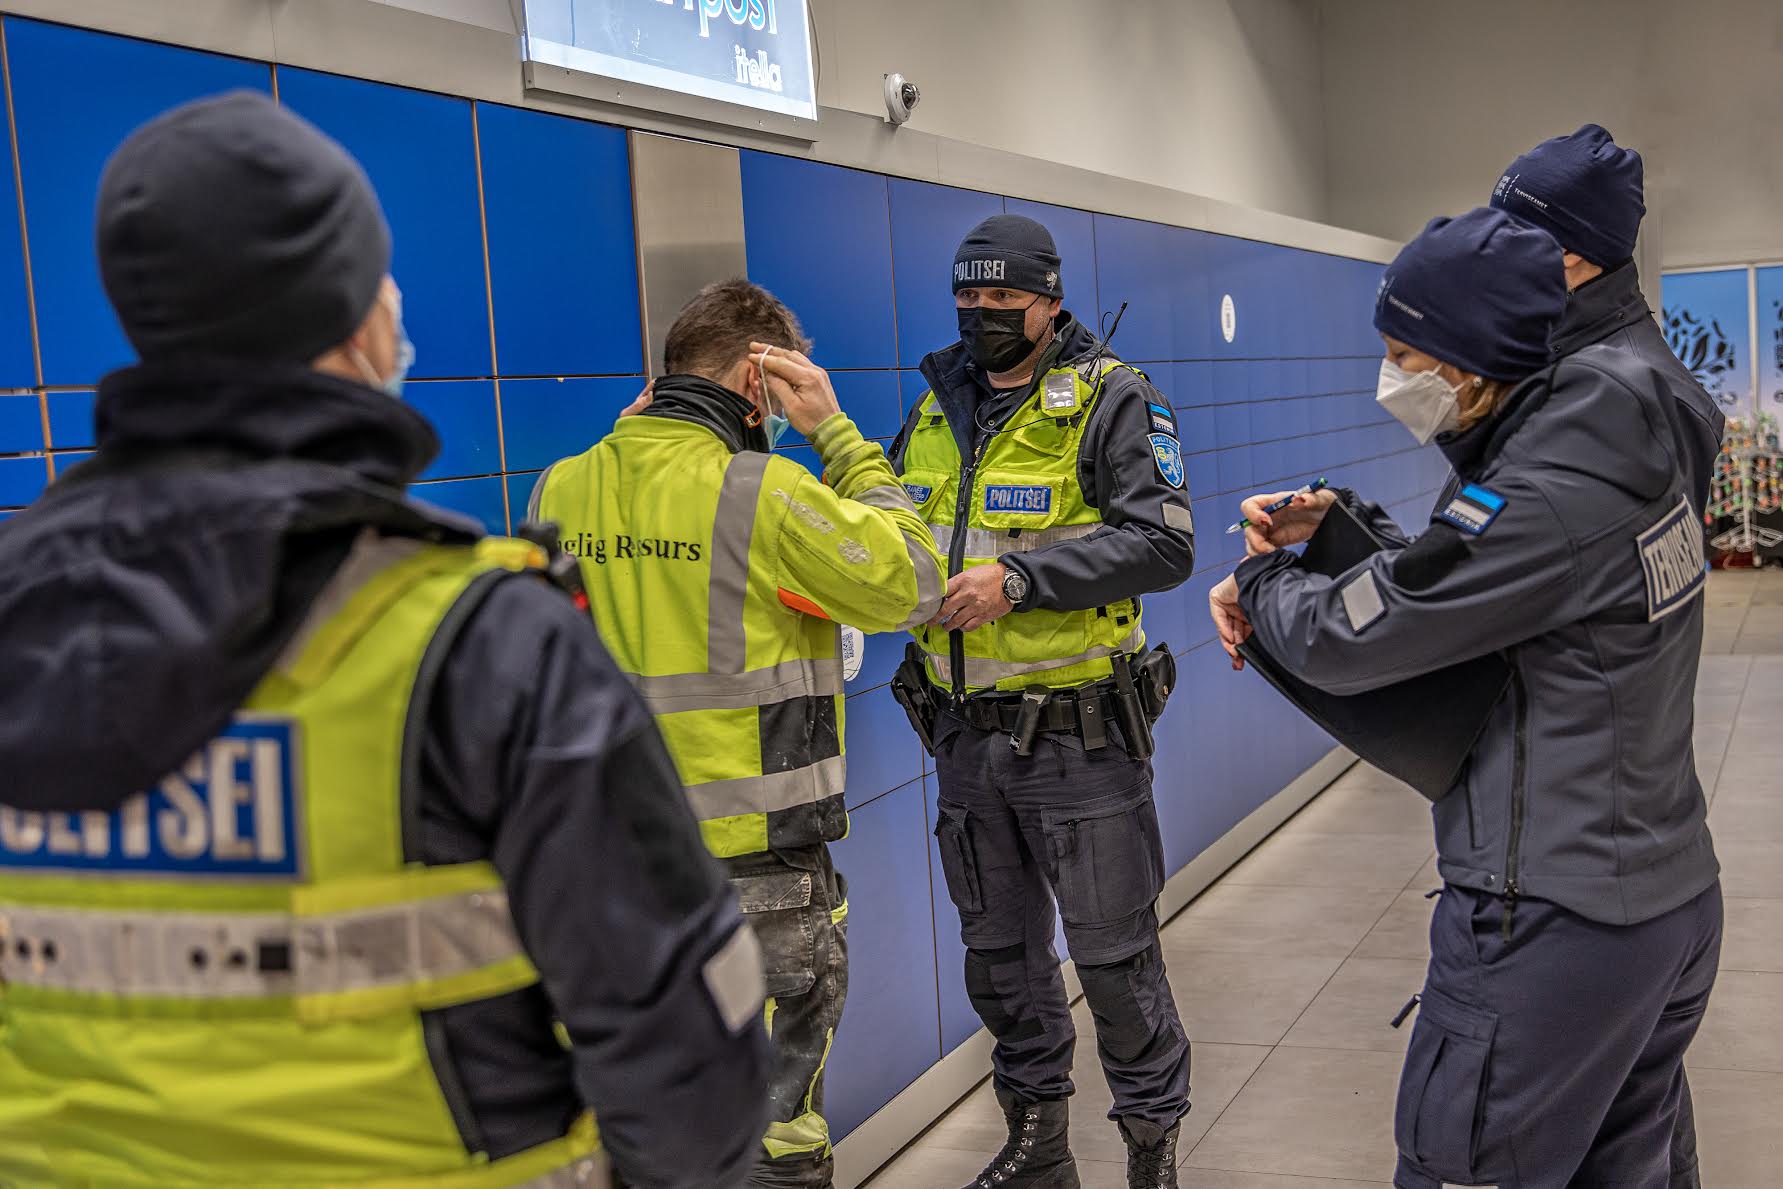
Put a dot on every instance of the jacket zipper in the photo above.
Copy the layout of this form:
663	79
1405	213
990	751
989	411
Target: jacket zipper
1519	777
956	559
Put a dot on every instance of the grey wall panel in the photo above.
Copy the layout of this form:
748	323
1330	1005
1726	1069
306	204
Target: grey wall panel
687	199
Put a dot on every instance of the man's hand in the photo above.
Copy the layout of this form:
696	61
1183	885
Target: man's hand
1228	618
1293	525
974	598
802	388
643	401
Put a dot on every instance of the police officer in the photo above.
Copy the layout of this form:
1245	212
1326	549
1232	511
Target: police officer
1576	939
1052	476
336	849
1586	191
719	574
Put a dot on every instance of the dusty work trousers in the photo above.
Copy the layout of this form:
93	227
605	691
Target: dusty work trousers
1554	1059
1080	826
798	905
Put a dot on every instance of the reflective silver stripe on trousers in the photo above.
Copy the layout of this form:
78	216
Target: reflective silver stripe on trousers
988	672
928	572
733	527
741	691
768	793
594	1171
195	955
985	542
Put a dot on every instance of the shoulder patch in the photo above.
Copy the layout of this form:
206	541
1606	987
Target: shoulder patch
1672	561
1163	418
1473	509
1168	454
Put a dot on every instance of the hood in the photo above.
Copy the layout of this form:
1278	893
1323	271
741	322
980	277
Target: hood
147	592
1600	412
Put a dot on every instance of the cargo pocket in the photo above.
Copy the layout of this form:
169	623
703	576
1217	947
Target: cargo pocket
777	905
1442	1093
958	863
1109	855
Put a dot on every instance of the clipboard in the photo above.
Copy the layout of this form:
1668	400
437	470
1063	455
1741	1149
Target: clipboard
1420	730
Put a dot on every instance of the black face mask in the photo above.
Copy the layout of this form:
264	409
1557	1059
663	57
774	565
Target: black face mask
997	339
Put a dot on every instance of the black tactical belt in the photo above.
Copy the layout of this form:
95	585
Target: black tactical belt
1063	710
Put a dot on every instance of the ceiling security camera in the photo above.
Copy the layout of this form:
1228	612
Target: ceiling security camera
901	98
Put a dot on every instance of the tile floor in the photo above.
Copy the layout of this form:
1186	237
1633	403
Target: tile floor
1288	970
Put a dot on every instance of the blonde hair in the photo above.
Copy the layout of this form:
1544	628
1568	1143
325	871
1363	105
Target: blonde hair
1479	399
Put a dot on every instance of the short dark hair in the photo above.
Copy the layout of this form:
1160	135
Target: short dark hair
714	330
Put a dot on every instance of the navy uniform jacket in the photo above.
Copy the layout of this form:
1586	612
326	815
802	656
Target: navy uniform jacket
188	580
1612	310
1146	543
1570	548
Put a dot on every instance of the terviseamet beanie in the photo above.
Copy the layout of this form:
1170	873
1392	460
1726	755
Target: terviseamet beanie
1008	250
1584	189
231	228
1482	291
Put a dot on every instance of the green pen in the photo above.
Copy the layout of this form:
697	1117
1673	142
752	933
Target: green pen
1278	505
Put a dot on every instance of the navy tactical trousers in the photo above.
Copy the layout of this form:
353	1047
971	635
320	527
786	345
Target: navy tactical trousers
1555	1059
1016	832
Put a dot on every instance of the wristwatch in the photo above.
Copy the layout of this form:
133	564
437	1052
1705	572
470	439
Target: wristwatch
1015	586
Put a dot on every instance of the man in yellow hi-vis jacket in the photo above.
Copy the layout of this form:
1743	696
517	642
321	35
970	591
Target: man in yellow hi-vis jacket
718	573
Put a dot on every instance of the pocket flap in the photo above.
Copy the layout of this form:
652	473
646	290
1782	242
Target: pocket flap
1458	1019
773	891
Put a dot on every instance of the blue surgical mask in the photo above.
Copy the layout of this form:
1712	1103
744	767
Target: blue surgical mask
405	350
405	353
776	422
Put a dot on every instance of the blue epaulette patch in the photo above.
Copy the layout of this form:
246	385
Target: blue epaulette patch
1473	510
1168	453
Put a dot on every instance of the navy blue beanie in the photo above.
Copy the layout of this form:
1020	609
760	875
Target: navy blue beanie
1482	291
230	228
1008	250
1585	190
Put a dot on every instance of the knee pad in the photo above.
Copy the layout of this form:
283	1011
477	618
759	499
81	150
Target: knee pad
1130	1002
997	985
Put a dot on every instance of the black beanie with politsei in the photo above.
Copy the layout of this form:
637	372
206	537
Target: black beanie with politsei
230	228
1010	251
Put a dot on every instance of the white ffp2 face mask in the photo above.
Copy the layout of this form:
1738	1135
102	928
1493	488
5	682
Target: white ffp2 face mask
1422	401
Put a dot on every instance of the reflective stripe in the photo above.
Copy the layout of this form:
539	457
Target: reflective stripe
733	527
766	794
928	584
735	981
985	542
371	554
220	955
887	499
538	493
593	1171
679	692
981	672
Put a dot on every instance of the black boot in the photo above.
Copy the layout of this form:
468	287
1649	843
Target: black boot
1151	1154
1038	1154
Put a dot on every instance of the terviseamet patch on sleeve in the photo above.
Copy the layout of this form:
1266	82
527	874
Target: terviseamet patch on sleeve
1672	561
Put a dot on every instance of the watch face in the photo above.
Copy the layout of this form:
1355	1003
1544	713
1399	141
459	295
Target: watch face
1015	587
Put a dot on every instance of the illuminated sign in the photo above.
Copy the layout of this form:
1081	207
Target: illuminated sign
753	54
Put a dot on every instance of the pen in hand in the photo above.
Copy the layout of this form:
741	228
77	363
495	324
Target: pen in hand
1316	485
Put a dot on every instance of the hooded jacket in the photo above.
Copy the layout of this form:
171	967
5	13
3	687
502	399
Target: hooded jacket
1570	549
1613	311
147	593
